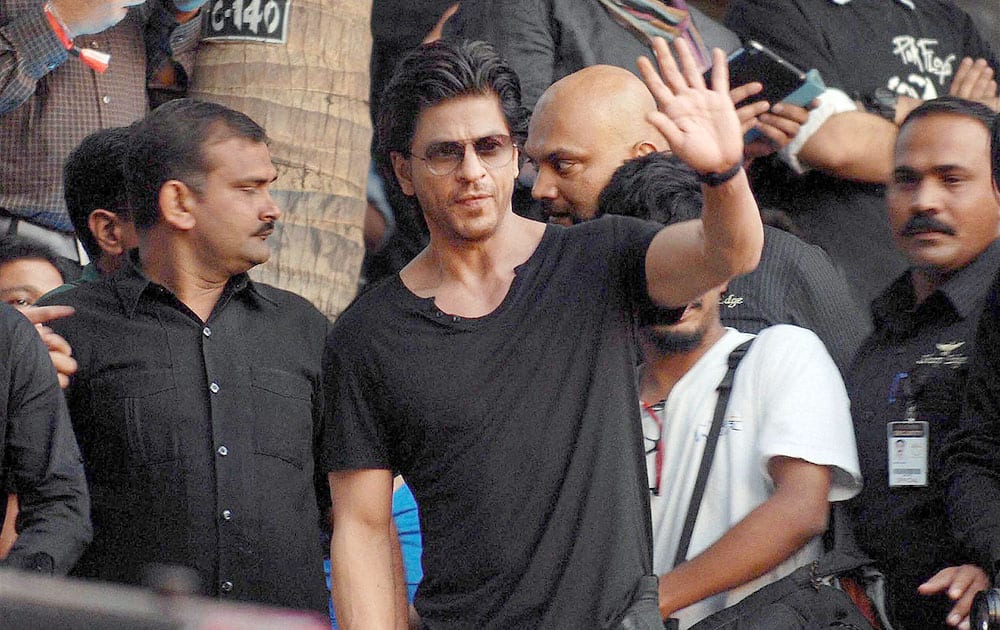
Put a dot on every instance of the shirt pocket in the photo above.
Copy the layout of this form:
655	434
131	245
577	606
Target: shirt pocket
282	415
131	408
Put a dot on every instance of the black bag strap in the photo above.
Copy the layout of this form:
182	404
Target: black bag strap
725	388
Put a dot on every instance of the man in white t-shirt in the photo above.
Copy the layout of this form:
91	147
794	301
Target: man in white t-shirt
785	451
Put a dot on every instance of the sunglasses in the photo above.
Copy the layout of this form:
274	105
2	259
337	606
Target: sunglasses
442	158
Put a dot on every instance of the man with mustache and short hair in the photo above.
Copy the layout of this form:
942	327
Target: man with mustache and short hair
908	379
197	400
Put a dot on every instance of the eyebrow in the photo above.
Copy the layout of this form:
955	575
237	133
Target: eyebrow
256	181
24	288
488	134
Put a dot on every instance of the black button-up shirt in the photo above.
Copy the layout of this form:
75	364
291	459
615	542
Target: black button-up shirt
906	528
199	438
38	456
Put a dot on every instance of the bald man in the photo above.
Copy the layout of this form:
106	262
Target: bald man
588	124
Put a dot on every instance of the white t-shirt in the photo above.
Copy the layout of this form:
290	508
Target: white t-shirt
788	399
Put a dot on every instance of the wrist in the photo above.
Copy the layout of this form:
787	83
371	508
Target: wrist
713	180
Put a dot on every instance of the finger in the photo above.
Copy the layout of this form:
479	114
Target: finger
958	81
752	111
960	611
42	314
691	70
776	135
720	71
938	582
56	343
794	113
745	91
786	126
63	380
64	364
669	71
654	82
981	89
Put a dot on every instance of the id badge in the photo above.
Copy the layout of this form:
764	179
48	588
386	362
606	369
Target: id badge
907	452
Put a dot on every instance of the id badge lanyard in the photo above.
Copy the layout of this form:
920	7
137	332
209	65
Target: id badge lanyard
907	440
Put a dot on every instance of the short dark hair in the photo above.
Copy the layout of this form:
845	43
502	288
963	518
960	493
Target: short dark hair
655	187
955	106
94	177
14	248
437	72
169	144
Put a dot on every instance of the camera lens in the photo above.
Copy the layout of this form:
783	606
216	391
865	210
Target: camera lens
985	614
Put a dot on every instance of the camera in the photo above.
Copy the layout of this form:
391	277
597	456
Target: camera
985	614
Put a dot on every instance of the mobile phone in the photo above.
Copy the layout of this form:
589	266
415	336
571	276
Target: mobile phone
754	62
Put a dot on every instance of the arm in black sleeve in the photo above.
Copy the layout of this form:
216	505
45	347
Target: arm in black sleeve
40	455
971	456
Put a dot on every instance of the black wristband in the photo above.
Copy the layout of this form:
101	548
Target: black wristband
717	179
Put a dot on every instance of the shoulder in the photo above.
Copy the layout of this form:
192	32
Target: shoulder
785	338
372	309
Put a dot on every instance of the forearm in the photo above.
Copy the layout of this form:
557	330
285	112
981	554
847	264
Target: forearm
852	145
399	581
20	70
733	231
758	543
363	576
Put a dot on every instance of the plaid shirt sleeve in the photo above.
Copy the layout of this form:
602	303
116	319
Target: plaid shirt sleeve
28	51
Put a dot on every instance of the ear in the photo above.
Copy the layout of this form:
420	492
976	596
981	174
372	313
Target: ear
643	148
404	175
177	200
104	226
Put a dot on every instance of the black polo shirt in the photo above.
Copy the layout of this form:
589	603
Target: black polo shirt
906	529
199	438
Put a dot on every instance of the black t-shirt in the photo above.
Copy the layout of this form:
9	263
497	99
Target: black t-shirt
857	47
517	431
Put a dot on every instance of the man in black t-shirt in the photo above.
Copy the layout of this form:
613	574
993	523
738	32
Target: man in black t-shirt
494	371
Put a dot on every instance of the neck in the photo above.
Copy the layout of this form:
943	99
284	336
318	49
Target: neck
165	262
926	282
471	278
660	372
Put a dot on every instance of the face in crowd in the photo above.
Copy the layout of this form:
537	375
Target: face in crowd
461	167
943	206
584	127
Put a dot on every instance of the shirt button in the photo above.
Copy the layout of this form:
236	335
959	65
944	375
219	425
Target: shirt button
206	331
226	587
227	515
105	99
214	388
222	450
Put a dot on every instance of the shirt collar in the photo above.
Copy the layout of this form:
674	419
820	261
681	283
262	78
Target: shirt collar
906	3
964	291
130	284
